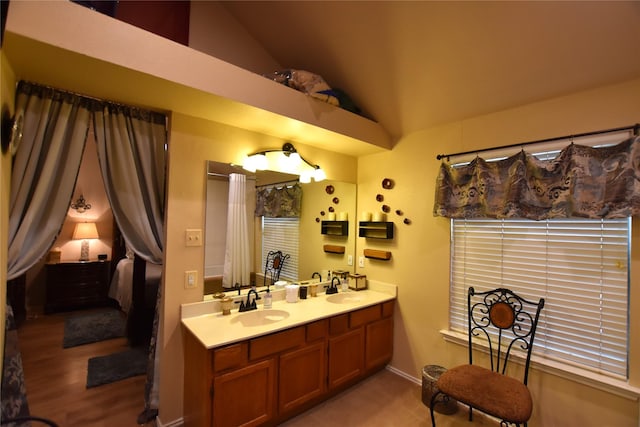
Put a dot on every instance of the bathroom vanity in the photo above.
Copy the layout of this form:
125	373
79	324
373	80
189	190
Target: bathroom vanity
264	366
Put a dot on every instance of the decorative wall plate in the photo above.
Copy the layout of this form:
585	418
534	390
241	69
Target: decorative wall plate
387	183
379	197
336	200
329	189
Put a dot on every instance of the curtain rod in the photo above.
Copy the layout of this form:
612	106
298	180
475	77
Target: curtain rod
635	128
289	183
224	175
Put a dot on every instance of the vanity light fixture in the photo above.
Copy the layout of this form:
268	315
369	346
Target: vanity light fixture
287	160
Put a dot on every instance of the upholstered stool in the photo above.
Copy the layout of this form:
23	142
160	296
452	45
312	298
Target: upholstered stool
488	391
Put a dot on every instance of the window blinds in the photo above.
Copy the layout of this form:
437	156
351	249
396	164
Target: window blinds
281	234
580	267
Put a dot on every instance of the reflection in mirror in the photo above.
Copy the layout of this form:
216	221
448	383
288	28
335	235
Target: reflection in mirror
319	200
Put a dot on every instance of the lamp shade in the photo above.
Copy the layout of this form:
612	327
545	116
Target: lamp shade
85	230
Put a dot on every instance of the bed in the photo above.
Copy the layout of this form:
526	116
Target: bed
121	288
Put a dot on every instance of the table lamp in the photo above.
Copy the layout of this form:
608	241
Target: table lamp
85	231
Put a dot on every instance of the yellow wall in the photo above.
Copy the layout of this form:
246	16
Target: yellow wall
420	262
191	143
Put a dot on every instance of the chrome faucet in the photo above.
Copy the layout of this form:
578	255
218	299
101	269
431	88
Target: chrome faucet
333	287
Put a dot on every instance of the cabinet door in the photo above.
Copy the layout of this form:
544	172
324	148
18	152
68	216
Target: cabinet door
379	343
301	376
245	397
346	354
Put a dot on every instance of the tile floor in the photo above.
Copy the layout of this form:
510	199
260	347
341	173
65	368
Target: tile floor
382	400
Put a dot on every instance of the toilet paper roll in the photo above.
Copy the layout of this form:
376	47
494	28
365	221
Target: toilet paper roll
331	216
342	216
366	216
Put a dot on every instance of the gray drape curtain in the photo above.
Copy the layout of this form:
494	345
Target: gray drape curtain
131	151
132	155
581	181
54	130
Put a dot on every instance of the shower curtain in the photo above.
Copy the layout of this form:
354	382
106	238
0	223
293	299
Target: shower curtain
237	260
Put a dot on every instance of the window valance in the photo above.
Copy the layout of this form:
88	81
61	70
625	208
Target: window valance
283	202
581	181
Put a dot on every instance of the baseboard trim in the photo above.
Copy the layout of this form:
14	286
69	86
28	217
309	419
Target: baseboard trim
404	375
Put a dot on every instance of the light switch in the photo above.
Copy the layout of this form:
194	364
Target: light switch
350	259
193	237
190	279
361	262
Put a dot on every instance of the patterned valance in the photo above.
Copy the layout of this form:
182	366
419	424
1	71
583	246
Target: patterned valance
580	182
283	202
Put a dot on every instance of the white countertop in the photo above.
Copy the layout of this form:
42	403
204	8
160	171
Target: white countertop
206	322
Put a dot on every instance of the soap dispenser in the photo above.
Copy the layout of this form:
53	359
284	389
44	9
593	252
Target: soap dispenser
268	299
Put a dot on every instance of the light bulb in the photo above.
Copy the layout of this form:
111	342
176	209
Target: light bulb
319	175
305	177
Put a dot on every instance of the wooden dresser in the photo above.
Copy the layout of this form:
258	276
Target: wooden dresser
75	285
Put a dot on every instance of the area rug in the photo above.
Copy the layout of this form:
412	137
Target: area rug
117	366
93	327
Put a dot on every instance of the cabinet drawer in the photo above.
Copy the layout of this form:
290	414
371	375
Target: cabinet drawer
232	356
275	343
338	324
316	330
364	316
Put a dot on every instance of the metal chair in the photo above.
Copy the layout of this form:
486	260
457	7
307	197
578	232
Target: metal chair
507	324
273	266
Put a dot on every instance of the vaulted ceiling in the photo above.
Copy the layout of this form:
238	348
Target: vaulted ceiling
410	65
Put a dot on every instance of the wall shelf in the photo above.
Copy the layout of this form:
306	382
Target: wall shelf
376	230
333	249
335	228
377	254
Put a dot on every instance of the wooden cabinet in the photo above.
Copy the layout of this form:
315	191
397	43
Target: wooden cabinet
268	379
379	343
301	376
245	396
345	358
74	285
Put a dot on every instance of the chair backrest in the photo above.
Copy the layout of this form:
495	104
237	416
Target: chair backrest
273	266
507	321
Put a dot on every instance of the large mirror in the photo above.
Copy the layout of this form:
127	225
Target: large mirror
324	242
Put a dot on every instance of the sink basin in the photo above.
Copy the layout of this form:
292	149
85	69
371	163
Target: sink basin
345	298
260	317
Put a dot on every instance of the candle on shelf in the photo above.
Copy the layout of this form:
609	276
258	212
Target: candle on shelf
379	217
366	216
342	216
331	216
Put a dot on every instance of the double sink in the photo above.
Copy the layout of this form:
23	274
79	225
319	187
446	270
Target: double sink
262	316
206	322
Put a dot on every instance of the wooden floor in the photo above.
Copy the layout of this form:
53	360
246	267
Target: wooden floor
56	378
56	389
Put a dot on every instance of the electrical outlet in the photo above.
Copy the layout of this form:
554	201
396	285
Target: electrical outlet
361	262
350	259
193	237
190	279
